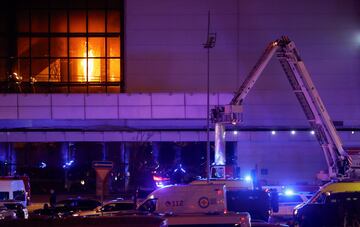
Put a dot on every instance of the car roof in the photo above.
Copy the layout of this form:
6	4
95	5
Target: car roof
119	201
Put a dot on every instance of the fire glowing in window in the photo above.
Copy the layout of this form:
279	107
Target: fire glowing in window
90	68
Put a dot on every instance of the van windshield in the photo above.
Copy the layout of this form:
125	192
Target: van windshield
149	205
19	195
4	195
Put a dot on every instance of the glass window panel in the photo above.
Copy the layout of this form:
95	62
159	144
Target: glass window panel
3	47
96	47
4	18
39	4
41	88
4	195
113	70
115	4
64	70
58	21
58	47
22	4
77	70
113	46
58	4
77	21
96	4
58	70
96	89
39	47
78	47
55	70
39	21
78	89
102	70
77	4
59	88
3	76
94	69
40	69
113	89
23	69
96	20
113	21
22	20
23	47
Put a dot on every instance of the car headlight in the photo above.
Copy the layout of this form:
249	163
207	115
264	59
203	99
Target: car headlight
75	215
295	212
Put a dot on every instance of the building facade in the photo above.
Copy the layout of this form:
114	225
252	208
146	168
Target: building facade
135	71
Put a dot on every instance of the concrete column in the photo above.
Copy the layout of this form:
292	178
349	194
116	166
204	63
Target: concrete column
104	152
155	151
64	152
124	158
12	159
177	160
3	152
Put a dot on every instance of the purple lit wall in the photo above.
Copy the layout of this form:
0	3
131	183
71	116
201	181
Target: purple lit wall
166	63
165	38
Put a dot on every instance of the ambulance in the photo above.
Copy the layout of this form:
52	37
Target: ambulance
203	204
13	190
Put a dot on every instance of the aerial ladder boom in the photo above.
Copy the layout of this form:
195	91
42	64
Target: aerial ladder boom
338	161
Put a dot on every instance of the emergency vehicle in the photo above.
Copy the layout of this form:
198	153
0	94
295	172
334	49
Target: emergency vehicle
26	183
334	187
340	164
334	202
203	204
13	190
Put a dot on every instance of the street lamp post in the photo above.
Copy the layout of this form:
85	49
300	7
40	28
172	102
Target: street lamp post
210	43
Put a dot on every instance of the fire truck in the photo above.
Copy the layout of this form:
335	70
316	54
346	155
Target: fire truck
340	164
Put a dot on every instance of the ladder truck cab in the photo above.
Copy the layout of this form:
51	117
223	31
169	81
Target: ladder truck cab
339	162
203	204
242	196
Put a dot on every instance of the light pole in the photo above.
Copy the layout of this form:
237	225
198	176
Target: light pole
210	43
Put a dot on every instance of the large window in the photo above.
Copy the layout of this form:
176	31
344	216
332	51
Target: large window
62	46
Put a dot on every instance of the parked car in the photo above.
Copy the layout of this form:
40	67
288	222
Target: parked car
111	208
330	209
67	207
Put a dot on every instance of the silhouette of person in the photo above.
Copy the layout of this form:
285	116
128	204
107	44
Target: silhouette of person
52	199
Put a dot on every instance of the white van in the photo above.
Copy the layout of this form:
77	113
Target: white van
193	205
12	190
176	199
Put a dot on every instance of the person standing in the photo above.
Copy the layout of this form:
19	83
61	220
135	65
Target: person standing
52	199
